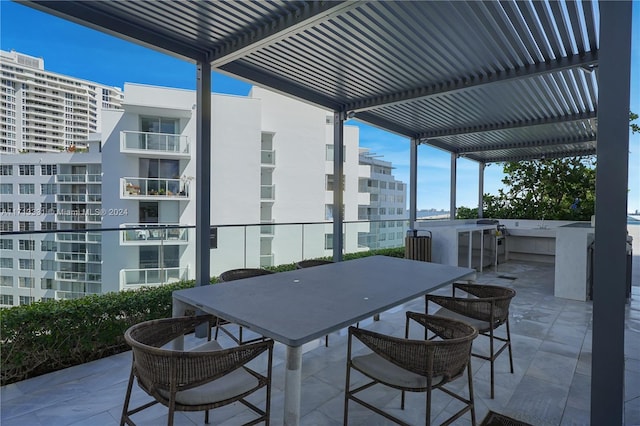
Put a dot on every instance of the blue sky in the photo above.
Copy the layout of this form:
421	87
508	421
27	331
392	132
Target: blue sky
81	52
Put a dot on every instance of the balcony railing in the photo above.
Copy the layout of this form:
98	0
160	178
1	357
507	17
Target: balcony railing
78	257
153	234
148	142
132	278
155	188
267	192
268	158
79	178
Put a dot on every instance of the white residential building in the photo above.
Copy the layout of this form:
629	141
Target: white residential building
271	163
386	207
43	111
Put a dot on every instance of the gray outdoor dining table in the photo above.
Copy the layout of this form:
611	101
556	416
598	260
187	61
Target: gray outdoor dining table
296	307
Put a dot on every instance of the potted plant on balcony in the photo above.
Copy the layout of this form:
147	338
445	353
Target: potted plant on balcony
185	184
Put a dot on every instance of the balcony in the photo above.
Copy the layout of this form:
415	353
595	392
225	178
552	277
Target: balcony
267	192
155	144
133	278
153	234
78	257
153	188
84	277
79	178
267	158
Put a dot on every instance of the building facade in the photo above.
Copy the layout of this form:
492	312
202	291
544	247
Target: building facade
43	111
271	195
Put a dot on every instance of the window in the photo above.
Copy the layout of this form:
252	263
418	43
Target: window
400	186
383	210
27	226
6	188
6	169
6	281
48	226
48	265
392	185
48	188
6	244
27	170
328	241
329	152
330	182
26	264
28	245
328	211
6	262
46	245
27	188
48	208
6	207
383	185
26	300
26	282
27	208
399	210
6	225
47	283
48	169
6	299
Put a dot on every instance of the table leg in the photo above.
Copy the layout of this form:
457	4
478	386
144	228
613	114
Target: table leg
470	254
177	310
293	385
481	249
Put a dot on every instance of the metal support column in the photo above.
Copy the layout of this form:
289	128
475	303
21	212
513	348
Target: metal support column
481	167
452	197
413	182
203	172
609	287
338	184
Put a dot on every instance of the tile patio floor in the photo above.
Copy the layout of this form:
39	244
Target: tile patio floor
551	385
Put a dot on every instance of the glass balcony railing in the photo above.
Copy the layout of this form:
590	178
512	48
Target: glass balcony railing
156	188
153	234
267	192
268	158
153	276
69	263
164	143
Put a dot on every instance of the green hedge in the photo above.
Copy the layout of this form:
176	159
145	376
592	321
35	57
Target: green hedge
51	335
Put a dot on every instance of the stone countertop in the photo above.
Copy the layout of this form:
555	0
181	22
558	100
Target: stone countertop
532	232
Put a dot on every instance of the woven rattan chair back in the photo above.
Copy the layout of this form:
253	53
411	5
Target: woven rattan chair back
165	373
486	307
417	365
310	263
238	274
224	325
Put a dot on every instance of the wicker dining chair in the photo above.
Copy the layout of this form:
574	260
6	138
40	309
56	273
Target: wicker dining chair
199	379
232	275
414	365
310	263
484	306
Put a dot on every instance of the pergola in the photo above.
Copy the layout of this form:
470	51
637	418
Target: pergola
490	81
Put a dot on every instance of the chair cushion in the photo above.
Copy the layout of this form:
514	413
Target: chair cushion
235	383
482	326
373	365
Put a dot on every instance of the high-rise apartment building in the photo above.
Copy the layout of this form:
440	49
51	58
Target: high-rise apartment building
386	207
43	111
271	164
